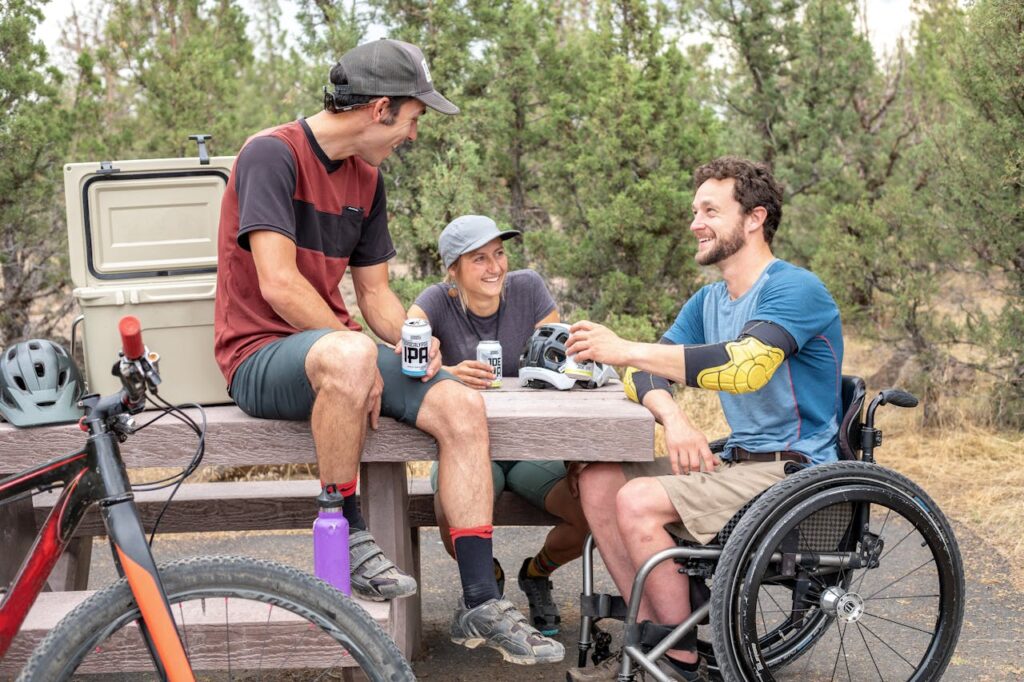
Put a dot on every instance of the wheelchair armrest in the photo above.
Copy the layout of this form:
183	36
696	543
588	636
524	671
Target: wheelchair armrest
718	445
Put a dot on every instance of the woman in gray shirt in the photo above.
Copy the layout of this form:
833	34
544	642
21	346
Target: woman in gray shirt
481	300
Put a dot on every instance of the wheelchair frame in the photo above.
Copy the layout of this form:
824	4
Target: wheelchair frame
856	436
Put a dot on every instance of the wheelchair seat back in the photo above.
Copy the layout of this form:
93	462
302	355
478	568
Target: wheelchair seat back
853	393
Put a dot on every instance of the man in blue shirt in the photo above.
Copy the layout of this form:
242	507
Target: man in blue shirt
768	338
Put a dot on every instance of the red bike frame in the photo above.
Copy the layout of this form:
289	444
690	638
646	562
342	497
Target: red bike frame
96	475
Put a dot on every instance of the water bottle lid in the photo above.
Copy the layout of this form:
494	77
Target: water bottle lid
326	500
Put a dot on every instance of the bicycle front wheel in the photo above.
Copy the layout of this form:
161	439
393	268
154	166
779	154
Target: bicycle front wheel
238	619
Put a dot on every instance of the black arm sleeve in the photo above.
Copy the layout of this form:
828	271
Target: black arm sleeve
645	382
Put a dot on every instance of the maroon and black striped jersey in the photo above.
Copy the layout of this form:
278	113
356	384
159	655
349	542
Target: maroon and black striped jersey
334	211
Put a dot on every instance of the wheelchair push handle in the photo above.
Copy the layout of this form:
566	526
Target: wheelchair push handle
897	397
870	437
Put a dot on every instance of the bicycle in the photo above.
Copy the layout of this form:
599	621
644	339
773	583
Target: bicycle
225	615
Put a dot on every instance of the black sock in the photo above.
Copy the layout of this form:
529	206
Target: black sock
350	505
684	667
474	554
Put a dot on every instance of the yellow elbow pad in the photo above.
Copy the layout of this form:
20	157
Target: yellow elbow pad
751	365
629	384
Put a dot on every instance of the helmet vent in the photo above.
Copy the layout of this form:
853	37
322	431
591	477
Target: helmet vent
46	403
11	353
33	345
20	381
40	370
63	378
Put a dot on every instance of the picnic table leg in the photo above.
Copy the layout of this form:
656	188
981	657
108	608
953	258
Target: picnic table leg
72	570
17	533
385	493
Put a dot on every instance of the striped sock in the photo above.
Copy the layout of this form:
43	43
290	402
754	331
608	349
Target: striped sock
350	507
542	565
474	553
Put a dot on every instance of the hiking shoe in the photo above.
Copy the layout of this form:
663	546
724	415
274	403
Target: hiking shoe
605	671
374	576
701	674
543	610
498	624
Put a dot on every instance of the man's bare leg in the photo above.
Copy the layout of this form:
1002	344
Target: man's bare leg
599	486
454	415
643	509
342	369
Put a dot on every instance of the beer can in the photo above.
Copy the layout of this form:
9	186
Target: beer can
415	347
489	352
581	371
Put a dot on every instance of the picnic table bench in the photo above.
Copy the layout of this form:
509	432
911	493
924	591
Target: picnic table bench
524	424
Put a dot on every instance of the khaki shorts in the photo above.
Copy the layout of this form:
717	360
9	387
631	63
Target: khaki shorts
705	501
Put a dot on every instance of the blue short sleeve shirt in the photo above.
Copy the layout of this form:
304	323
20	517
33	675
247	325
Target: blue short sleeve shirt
799	409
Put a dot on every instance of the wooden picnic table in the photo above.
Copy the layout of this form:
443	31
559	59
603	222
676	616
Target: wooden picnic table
525	424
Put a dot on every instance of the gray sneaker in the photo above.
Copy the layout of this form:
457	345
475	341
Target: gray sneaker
374	576
498	624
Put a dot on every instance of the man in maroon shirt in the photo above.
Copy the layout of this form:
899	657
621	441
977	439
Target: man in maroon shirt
305	201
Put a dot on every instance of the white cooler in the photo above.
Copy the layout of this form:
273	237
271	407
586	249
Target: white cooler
142	237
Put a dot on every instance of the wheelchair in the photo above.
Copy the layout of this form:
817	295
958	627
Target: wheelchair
841	571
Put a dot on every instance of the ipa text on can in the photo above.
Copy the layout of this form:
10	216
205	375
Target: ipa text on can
489	352
415	347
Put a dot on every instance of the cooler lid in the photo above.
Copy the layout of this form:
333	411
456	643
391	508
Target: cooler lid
152	218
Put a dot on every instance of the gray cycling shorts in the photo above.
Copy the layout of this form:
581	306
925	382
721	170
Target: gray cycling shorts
272	383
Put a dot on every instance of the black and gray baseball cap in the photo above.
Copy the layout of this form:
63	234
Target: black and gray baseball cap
395	69
468	233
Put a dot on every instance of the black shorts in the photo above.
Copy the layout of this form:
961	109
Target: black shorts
272	383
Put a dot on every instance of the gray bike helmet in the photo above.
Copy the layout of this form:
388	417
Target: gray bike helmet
542	362
39	384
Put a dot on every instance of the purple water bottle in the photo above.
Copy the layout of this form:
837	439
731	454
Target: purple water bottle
330	542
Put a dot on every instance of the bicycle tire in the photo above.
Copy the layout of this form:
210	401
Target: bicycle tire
742	568
109	617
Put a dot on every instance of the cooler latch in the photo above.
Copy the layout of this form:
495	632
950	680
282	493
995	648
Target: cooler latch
204	155
107	167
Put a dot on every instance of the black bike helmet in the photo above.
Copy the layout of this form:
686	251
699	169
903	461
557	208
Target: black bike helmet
542	362
39	384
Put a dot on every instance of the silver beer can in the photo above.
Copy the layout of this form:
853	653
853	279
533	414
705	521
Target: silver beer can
415	347
581	371
489	352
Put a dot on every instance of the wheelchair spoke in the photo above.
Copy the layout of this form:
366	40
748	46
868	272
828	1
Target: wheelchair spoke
868	649
896	622
912	596
886	645
842	652
901	578
890	550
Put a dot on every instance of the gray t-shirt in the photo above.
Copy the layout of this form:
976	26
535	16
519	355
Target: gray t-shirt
526	302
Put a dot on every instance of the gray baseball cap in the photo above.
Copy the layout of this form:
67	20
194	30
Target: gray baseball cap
392	68
468	233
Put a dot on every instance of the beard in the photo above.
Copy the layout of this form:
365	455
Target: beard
723	246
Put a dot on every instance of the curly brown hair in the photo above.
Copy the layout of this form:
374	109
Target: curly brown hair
755	186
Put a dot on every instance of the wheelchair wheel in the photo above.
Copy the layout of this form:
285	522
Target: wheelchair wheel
848	566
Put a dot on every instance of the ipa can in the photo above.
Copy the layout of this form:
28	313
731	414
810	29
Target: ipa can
415	347
489	352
